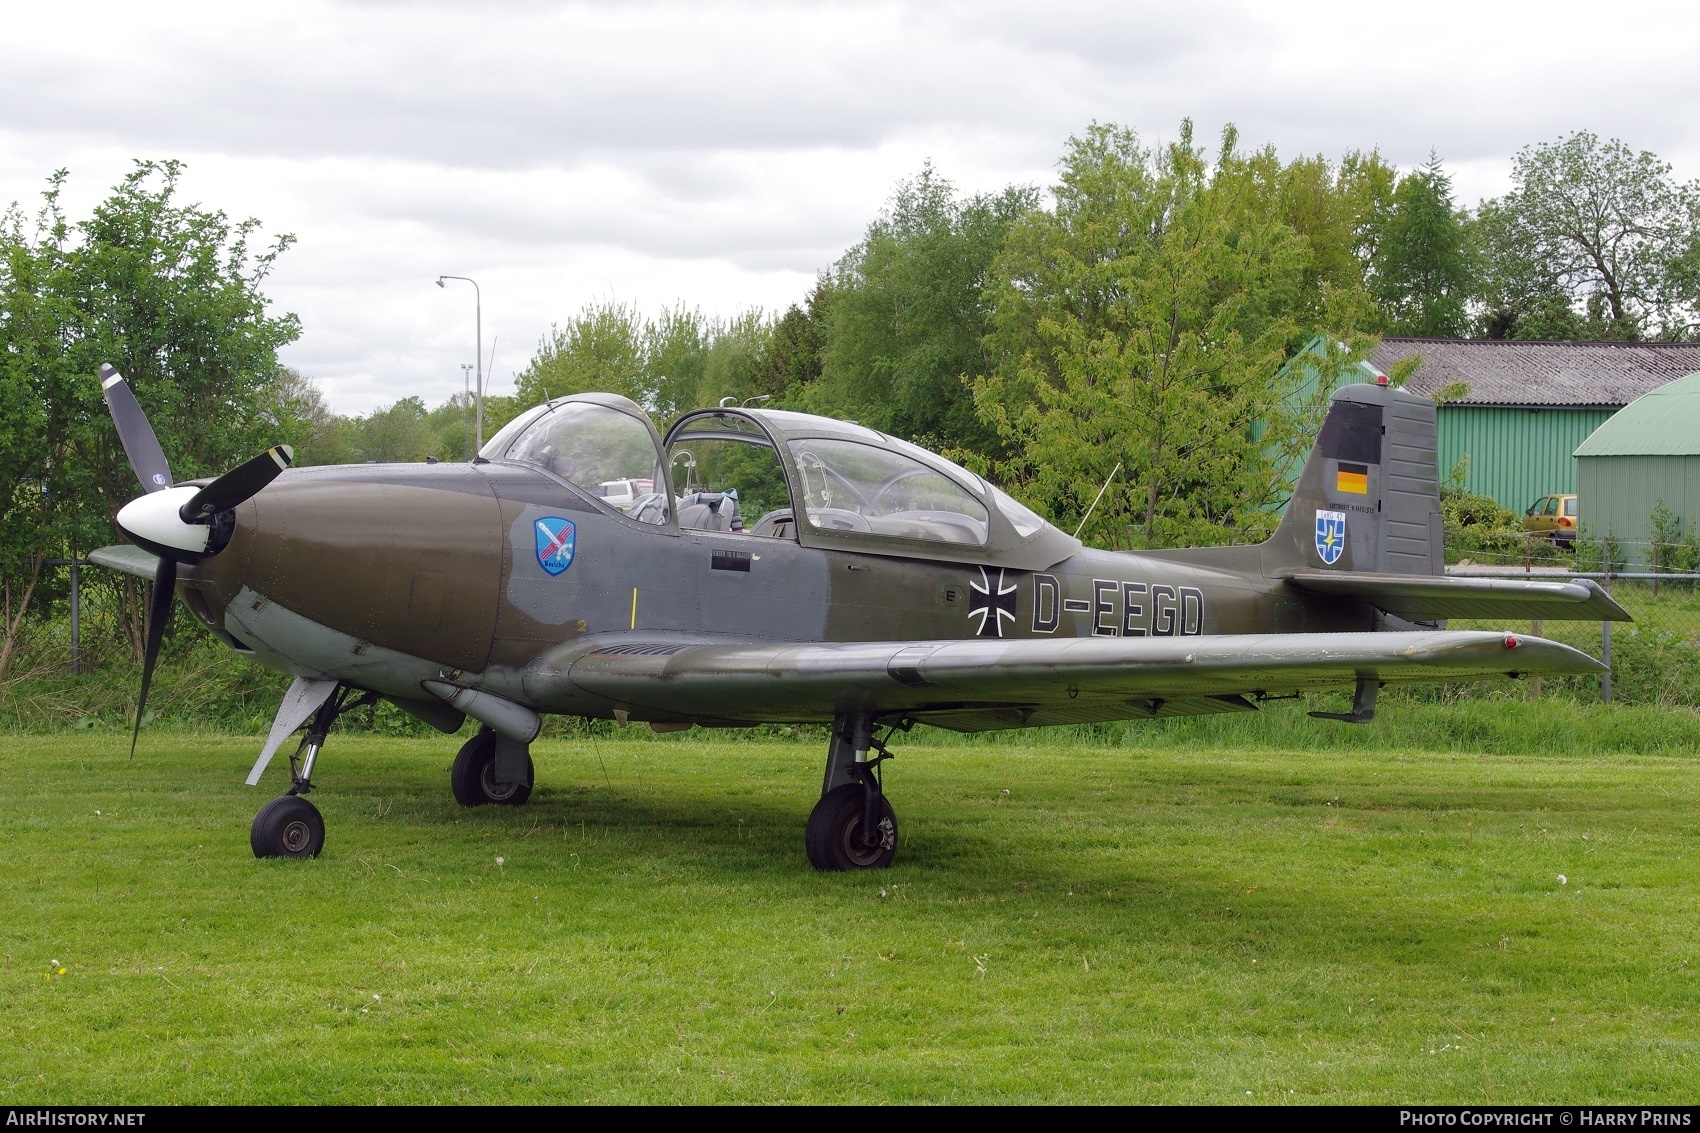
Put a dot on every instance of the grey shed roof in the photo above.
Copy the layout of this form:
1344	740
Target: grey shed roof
1514	372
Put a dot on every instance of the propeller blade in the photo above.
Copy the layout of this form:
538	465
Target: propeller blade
159	616
238	484
147	459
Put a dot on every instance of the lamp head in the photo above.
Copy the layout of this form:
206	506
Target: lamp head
440	279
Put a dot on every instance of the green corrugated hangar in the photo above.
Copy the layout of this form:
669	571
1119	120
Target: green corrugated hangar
1647	453
1529	405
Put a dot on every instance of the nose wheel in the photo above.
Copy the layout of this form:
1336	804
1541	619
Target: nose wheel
288	827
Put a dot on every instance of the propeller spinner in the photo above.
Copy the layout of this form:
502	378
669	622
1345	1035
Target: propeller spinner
180	525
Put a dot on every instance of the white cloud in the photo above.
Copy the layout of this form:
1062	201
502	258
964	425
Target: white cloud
721	154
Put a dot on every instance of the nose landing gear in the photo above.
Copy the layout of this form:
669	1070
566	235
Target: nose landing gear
289	826
853	826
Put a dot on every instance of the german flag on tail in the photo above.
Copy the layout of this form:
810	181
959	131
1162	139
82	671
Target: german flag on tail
1352	478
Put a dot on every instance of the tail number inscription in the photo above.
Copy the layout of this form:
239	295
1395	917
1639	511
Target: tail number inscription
1135	609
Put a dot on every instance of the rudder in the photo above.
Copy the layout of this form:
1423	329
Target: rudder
1368	498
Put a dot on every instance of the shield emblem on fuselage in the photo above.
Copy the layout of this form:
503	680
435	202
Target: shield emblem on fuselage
1330	536
555	537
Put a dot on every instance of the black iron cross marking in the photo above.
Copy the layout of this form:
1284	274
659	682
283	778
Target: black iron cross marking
991	602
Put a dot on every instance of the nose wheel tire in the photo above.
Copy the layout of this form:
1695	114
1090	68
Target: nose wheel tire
288	827
836	837
473	776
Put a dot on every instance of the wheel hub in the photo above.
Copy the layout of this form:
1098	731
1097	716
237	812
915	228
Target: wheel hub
494	791
297	835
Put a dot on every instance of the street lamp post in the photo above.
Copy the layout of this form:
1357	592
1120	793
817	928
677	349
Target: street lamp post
465	408
478	300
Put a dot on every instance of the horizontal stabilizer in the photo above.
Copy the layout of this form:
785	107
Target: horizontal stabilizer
1428	597
126	558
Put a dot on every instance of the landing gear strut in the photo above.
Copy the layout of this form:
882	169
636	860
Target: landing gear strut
289	826
853	825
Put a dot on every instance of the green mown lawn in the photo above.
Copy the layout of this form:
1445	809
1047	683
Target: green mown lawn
1066	923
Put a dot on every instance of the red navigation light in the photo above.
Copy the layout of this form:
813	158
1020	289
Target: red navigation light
1511	641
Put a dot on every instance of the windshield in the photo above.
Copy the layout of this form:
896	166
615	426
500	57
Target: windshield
855	487
608	453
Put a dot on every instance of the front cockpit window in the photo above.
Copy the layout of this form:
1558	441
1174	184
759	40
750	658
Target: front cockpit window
609	454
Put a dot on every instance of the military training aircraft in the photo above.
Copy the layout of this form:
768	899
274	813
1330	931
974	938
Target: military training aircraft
585	565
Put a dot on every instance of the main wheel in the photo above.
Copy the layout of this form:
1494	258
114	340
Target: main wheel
288	827
834	836
473	776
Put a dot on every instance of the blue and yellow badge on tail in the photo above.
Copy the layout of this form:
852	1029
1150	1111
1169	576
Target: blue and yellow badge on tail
1330	536
555	543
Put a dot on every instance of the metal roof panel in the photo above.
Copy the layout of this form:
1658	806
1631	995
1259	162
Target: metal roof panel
1517	372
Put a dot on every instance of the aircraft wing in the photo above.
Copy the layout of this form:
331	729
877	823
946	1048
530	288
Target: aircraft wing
1426	597
982	684
127	558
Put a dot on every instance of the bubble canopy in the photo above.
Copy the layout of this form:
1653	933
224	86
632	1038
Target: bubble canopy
609	450
856	489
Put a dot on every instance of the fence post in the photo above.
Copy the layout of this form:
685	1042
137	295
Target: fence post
1535	679
1605	646
76	617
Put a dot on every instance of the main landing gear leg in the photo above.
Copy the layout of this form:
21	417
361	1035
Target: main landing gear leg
853	825
289	826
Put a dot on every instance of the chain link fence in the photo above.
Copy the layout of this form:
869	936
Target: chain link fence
1654	660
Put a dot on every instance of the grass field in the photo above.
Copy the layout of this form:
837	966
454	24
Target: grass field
1180	920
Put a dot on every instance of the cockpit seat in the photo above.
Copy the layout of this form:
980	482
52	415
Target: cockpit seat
711	511
781	523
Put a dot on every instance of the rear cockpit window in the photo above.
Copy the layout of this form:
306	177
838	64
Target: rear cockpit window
847	486
1019	515
608	453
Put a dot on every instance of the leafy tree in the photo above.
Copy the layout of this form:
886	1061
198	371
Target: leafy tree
599	350
168	293
675	350
1143	320
735	363
1340	212
909	312
792	360
1595	240
298	406
1423	263
399	432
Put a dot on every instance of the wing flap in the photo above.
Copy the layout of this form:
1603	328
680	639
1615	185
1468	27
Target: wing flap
649	677
1428	597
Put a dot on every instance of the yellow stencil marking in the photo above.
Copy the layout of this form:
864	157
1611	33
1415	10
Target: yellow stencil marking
634	607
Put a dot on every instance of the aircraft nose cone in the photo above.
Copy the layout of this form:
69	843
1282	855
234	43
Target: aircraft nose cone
153	522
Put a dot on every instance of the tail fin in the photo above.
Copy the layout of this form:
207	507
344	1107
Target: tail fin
1369	496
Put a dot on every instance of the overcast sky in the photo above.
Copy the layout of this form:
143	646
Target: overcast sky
722	154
